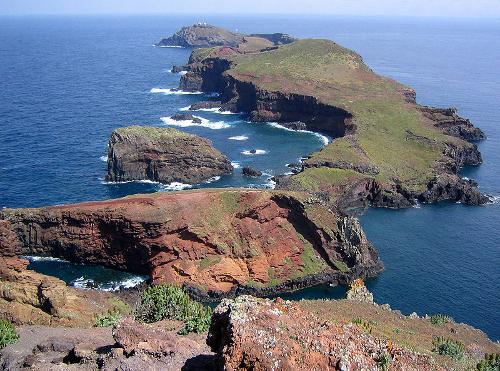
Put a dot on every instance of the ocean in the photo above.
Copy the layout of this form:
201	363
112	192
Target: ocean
68	82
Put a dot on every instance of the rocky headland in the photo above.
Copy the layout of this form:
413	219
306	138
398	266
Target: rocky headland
388	150
202	35
163	155
216	242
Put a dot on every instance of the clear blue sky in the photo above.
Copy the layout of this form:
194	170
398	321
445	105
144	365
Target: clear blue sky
447	8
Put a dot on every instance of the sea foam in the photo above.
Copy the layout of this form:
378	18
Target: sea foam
173	91
104	158
175	186
235	164
204	123
238	137
323	138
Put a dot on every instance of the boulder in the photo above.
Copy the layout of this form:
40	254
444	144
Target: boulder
186	117
250	171
163	155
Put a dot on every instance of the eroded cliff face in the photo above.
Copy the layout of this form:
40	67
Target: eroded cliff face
217	242
375	183
163	155
27	297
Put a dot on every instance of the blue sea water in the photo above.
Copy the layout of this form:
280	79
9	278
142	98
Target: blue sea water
68	82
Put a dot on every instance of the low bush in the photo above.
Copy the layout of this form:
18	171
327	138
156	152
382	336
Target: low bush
8	333
448	347
171	302
491	362
440	319
364	325
109	319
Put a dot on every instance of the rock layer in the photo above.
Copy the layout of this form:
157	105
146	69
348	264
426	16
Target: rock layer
163	155
218	242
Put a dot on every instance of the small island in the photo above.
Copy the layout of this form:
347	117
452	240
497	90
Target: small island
163	155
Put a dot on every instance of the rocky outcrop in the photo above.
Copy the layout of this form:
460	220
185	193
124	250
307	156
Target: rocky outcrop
186	117
130	346
202	35
163	155
250	171
448	120
27	297
257	334
219	241
206	104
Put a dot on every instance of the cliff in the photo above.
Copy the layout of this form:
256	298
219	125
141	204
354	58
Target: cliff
204	35
388	150
216	242
163	155
28	297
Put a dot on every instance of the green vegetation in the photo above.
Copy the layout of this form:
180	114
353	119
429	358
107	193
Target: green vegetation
448	347
341	266
152	132
392	137
364	325
208	262
109	319
384	361
440	319
171	302
8	333
491	362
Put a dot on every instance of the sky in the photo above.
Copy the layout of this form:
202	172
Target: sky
446	8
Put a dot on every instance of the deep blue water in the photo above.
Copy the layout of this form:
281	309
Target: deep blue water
67	83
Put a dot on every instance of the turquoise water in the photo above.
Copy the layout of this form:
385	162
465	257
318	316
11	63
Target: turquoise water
67	83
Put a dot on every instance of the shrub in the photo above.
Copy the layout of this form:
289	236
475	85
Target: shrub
440	319
384	361
170	302
109	319
491	362
8	333
362	324
448	347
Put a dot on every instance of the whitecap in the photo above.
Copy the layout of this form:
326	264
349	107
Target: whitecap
124	284
169	46
173	91
235	164
214	109
204	123
175	186
238	137
212	179
144	181
104	158
323	138
257	152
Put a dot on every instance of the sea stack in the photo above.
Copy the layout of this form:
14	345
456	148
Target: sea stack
163	155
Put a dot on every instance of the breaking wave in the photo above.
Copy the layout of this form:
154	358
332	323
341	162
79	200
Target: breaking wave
104	158
204	123
173	91
175	186
42	258
235	164
88	283
323	138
